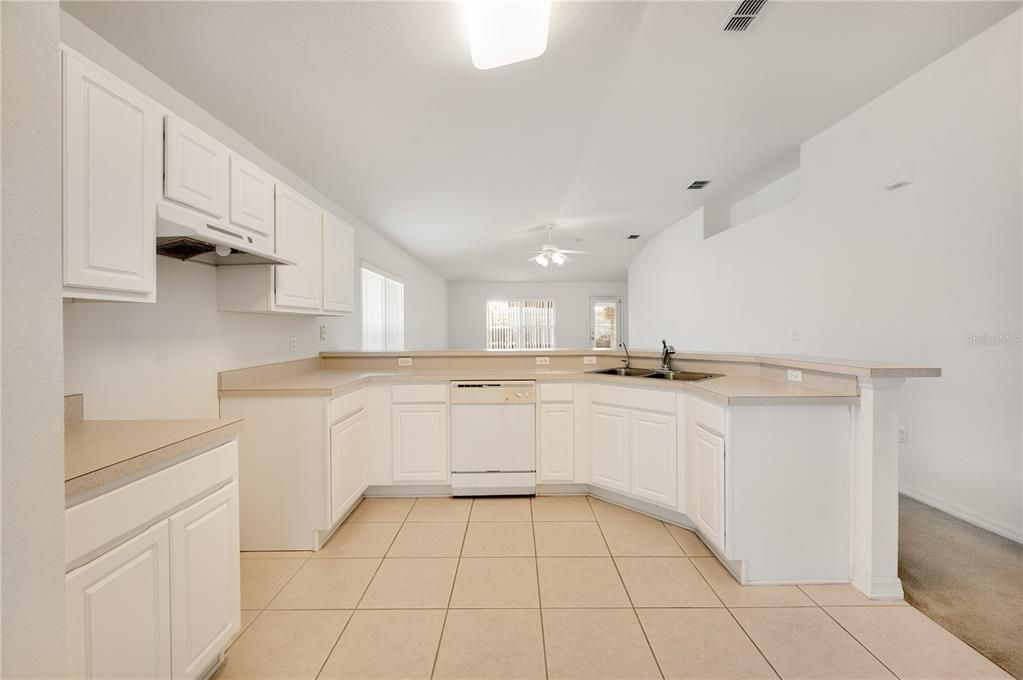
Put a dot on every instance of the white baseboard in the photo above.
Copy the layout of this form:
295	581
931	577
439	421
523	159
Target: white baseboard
963	514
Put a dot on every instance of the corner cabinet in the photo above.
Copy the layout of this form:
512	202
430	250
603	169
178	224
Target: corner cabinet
111	176
338	265
165	601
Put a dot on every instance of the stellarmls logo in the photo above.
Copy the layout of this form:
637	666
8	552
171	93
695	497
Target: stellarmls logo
985	340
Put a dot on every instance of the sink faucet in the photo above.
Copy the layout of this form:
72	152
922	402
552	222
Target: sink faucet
628	359
666	353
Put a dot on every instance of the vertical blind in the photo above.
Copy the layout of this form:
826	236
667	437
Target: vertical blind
383	312
520	324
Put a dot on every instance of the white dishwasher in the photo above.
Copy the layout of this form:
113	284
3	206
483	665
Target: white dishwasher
493	438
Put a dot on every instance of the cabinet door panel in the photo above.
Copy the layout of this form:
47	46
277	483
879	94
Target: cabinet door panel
299	233
349	448
610	442
252	203
338	266
111	180
653	452
195	168
557	442
420	442
205	581
710	487
118	611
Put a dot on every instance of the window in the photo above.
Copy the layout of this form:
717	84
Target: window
604	320
383	311
520	324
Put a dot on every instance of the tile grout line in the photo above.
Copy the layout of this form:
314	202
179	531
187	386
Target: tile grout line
539	597
451	592
731	614
361	597
628	595
858	641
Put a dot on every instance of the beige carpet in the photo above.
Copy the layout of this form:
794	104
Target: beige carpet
967	579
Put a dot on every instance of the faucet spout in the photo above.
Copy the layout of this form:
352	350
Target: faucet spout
666	352
628	357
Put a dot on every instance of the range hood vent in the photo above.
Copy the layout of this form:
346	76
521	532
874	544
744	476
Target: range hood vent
184	235
742	15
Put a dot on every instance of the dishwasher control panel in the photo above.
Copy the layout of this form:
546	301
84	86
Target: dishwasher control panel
493	392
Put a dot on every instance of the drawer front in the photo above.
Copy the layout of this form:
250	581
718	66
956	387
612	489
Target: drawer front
628	397
100	521
419	394
704	413
347	404
557	391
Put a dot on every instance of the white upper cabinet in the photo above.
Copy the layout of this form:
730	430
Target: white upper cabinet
111	183
252	203
299	238
338	266
195	168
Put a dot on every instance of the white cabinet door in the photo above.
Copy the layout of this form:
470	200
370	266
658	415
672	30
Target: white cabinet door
557	442
195	168
118	616
349	466
111	183
419	437
205	583
252	204
653	453
709	459
338	266
299	238
609	427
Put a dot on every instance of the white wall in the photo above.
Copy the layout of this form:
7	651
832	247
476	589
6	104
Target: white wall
903	276
161	361
467	317
32	491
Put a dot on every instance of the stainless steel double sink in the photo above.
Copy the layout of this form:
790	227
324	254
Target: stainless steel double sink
658	374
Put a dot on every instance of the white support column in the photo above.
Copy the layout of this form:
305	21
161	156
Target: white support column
875	501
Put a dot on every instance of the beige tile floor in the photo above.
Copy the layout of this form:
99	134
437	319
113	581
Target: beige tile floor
557	587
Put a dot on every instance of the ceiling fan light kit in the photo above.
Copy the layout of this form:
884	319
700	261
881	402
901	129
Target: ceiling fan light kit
551	254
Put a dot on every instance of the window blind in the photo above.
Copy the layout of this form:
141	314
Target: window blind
520	324
383	312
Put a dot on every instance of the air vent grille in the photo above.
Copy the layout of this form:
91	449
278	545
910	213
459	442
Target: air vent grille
632	237
698	184
742	15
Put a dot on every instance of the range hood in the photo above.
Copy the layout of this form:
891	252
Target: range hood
184	235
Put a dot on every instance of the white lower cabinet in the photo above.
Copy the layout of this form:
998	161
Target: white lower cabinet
557	443
419	441
118	611
654	456
349	445
708	452
164	602
609	428
205	605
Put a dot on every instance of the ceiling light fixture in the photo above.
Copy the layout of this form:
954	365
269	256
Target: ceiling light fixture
551	254
504	32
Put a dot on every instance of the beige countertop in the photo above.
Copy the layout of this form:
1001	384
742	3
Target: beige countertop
98	452
731	390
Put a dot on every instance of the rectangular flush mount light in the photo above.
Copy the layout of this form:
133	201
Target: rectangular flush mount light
504	32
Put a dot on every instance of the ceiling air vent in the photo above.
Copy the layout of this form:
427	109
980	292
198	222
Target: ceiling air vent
698	184
742	15
632	237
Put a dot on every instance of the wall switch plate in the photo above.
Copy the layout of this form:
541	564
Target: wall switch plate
543	361
795	375
323	333
903	435
405	361
294	344
590	361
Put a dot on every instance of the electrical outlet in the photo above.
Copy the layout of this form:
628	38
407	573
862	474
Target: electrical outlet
903	435
795	335
323	333
294	344
404	361
590	361
795	375
543	361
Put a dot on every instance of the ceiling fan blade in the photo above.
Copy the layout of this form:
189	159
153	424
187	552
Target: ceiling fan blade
574	252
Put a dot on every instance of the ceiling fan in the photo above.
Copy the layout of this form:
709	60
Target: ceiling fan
550	253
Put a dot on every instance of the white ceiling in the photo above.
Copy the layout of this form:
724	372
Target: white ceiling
379	107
